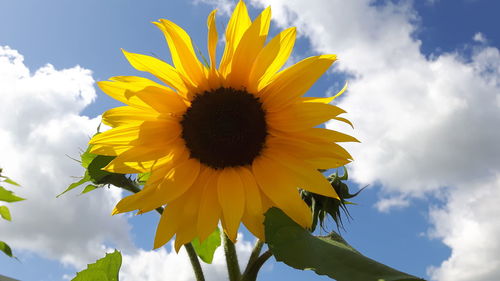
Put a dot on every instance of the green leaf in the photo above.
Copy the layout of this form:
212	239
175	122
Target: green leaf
95	166
8	196
105	269
8	180
5	213
207	249
89	188
85	179
6	249
330	256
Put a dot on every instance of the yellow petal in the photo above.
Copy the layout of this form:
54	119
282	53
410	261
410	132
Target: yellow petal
231	199
108	150
236	27
293	82
275	182
247	50
327	99
270	59
162	100
320	154
131	202
341	119
169	223
302	115
185	234
318	135
307	176
191	201
137	159
182	51
213	37
253	217
210	210
124	115
178	180
159	132
164	71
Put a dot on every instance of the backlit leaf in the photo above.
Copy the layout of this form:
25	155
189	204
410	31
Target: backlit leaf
105	269
8	196
5	213
6	249
207	249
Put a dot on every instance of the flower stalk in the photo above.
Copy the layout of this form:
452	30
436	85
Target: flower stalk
195	262
233	268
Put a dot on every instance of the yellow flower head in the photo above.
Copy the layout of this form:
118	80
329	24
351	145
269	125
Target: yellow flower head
222	144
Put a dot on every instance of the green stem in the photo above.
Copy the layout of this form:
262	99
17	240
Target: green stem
195	262
253	269
233	268
255	254
132	186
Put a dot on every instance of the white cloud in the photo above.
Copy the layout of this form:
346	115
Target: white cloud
479	37
427	125
469	226
224	6
386	204
161	264
40	126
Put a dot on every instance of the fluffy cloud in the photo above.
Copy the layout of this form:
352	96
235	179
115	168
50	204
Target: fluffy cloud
469	226
163	263
40	127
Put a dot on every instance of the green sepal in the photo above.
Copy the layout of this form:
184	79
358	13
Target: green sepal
105	269
5	213
206	249
83	180
329	255
143	178
6	249
89	188
97	175
87	157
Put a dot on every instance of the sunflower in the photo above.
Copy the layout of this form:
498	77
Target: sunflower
222	144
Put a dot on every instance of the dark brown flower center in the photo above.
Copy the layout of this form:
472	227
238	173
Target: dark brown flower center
224	128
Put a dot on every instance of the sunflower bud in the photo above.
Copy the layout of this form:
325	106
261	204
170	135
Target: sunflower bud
322	206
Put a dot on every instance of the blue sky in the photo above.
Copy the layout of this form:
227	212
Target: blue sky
424	77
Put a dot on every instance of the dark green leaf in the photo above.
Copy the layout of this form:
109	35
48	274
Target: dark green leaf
5	213
105	269
89	188
8	196
6	249
95	166
330	256
85	179
207	249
